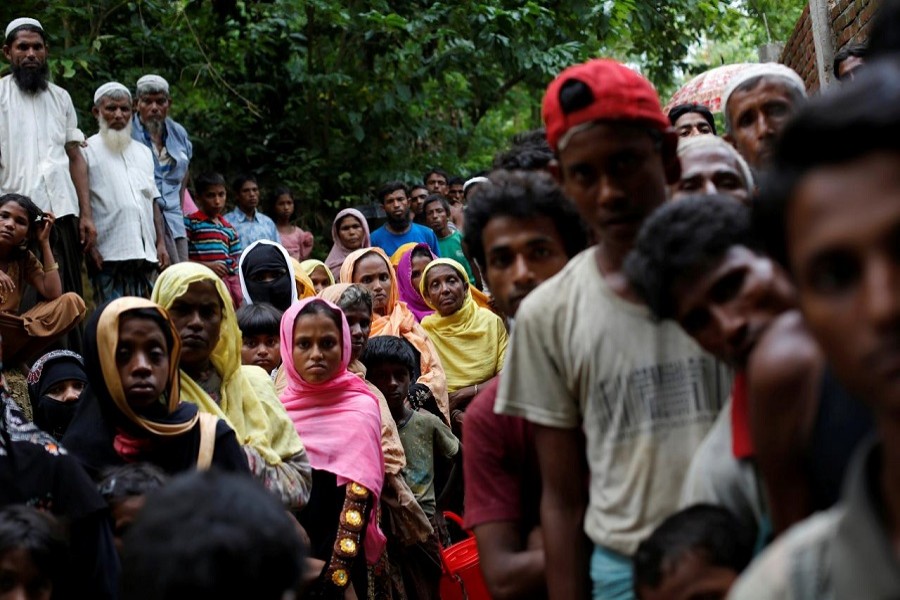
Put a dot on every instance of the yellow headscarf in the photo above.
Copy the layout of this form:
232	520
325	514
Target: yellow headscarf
312	264
248	400
107	340
471	342
300	276
401	322
398	254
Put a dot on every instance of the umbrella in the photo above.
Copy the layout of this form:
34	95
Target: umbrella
707	87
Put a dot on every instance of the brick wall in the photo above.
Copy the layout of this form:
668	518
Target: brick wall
849	24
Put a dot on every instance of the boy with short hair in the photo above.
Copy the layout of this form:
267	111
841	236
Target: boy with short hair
261	342
390	365
696	553
436	209
213	241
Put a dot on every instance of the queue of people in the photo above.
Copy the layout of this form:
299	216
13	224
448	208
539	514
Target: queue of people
640	360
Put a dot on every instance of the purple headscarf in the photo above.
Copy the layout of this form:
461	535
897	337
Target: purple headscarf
408	293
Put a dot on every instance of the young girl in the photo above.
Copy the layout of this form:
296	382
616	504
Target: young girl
298	243
26	334
55	384
318	273
132	410
33	554
339	420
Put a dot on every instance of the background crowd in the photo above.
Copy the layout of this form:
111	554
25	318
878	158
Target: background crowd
641	360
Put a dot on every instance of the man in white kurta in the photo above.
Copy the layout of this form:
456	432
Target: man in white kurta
130	248
39	151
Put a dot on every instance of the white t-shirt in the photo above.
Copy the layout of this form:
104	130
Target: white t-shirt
123	189
644	393
34	131
716	476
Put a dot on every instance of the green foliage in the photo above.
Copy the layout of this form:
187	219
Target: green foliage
331	98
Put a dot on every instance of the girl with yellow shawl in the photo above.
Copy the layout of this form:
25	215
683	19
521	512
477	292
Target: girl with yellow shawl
371	268
319	273
470	340
212	378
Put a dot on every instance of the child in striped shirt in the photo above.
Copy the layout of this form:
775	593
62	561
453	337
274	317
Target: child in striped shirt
213	241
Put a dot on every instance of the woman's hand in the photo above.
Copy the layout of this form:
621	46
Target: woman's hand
7	285
44	228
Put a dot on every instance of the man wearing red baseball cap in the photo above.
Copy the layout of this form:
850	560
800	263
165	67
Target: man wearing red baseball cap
587	354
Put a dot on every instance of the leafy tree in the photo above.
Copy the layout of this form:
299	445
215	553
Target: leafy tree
334	97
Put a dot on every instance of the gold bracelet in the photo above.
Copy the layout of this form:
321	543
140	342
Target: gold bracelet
53	267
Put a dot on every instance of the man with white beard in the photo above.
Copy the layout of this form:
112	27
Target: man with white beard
130	248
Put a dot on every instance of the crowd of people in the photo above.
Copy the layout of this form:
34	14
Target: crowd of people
641	360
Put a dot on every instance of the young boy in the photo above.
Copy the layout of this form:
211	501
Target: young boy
213	241
437	216
261	345
390	364
696	553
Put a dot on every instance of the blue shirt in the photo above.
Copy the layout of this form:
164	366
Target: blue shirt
168	176
251	229
389	241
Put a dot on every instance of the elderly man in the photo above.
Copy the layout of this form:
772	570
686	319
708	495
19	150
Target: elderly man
172	151
757	104
710	165
130	245
39	149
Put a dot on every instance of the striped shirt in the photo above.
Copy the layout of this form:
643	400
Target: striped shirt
212	240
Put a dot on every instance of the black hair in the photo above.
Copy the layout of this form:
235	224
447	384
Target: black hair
680	242
523	195
211	534
239	181
436	198
126	481
15	32
355	295
319	307
709	530
389	349
34	215
27	528
680	110
859	118
157	317
206	180
416	186
389	188
435	171
884	34
259	318
273	199
857	50
456	181
528	151
423	251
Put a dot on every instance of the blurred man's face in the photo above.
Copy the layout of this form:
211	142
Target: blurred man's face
843	239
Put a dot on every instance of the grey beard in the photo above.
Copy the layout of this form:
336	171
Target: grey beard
155	126
32	81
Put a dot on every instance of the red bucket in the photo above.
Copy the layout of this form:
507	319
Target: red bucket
462	578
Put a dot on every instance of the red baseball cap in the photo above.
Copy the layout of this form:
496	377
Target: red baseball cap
599	90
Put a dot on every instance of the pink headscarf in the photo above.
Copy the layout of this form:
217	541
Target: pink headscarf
339	422
338	251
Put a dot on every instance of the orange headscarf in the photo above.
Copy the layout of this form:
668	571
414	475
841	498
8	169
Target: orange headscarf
400	321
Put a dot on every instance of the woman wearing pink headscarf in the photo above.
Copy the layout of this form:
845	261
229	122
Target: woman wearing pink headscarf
340	423
350	231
